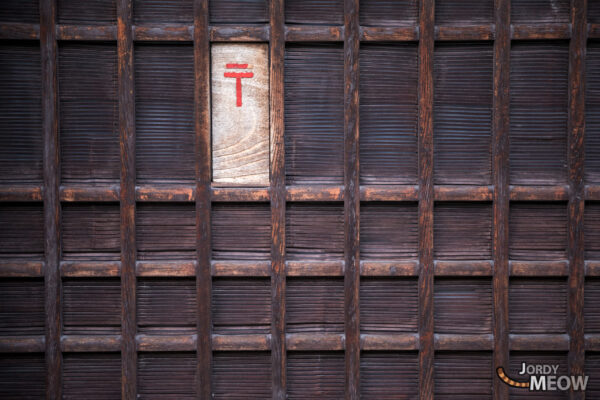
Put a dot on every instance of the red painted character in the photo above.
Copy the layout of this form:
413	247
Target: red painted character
238	79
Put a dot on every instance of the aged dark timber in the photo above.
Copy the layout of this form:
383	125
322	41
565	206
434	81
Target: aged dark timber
431	213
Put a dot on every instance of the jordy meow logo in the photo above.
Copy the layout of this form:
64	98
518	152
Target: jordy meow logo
544	378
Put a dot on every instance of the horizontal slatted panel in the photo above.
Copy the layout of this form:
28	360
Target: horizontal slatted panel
22	233
464	12
388	305
388	12
20	111
314	12
166	376
516	360
166	231
88	12
91	376
157	11
389	231
591	311
592	368
241	376
241	231
388	114
22	376
539	11
314	231
593	12
314	114
538	231
592	111
592	231
241	306
463	231
463	306
89	114
91	307
91	231
315	376
538	113
21	307
463	375
314	305
27	11
234	11
463	113
164	108
389	376
537	306
166	306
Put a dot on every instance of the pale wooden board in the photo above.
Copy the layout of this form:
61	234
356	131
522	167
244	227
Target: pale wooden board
240	135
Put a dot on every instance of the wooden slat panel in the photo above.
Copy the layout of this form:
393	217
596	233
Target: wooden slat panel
388	114
388	376
389	231
88	112
161	11
592	368
164	81
314	114
20	110
20	11
21	307
314	305
167	375
463	306
314	12
91	231
92	376
87	12
591	311
388	12
455	368
241	375
528	296
241	306
464	12
166	306
463	113
539	11
238	11
592	111
463	231
315	375
388	305
552	358
22	233
22	376
538	113
91	307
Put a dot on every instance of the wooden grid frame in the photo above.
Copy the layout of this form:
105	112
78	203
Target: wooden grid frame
351	193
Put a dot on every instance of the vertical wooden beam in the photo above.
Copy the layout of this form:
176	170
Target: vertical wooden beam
203	196
577	189
128	245
51	196
426	46
351	198
278	282
500	165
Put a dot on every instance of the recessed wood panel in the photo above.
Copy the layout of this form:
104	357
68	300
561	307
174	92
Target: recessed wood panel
464	12
20	108
388	12
315	376
388	114
91	231
314	305
166	375
22	233
314	114
551	358
538	113
453	369
89	12
591	311
388	305
538	231
22	376
159	11
240	376
592	369
593	12
21	307
463	113
463	306
537	306
89	113
313	12
93	376
463	231
27	11
166	306
389	376
389	230
91	307
241	306
539	11
238	11
592	111
591	225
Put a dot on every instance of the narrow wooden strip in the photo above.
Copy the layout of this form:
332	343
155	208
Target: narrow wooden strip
557	342
77	343
241	342
314	268
389	193
166	343
540	31
21	193
19	31
592	193
314	193
315	341
387	342
165	268
90	193
164	32
226	33
539	268
389	33
89	269
463	193
19	268
86	32
592	342
241	268
314	33
476	32
539	193
389	268
48	47
22	344
594	31
239	194
165	193
464	268
460	342
592	268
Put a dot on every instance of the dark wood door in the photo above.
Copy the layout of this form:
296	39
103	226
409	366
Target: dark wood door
430	214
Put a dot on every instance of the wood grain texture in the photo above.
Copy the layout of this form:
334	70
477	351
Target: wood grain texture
167	375
539	11
388	306
389	231
314	231
238	11
592	368
592	231
591	311
388	12
453	368
315	375
22	233
242	375
388	375
161	11
94	376
388	114
463	306
314	305
27	11
527	296
592	112
22	311
90	231
22	376
314	12
91	307
241	306
166	306
464	12
89	12
241	232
